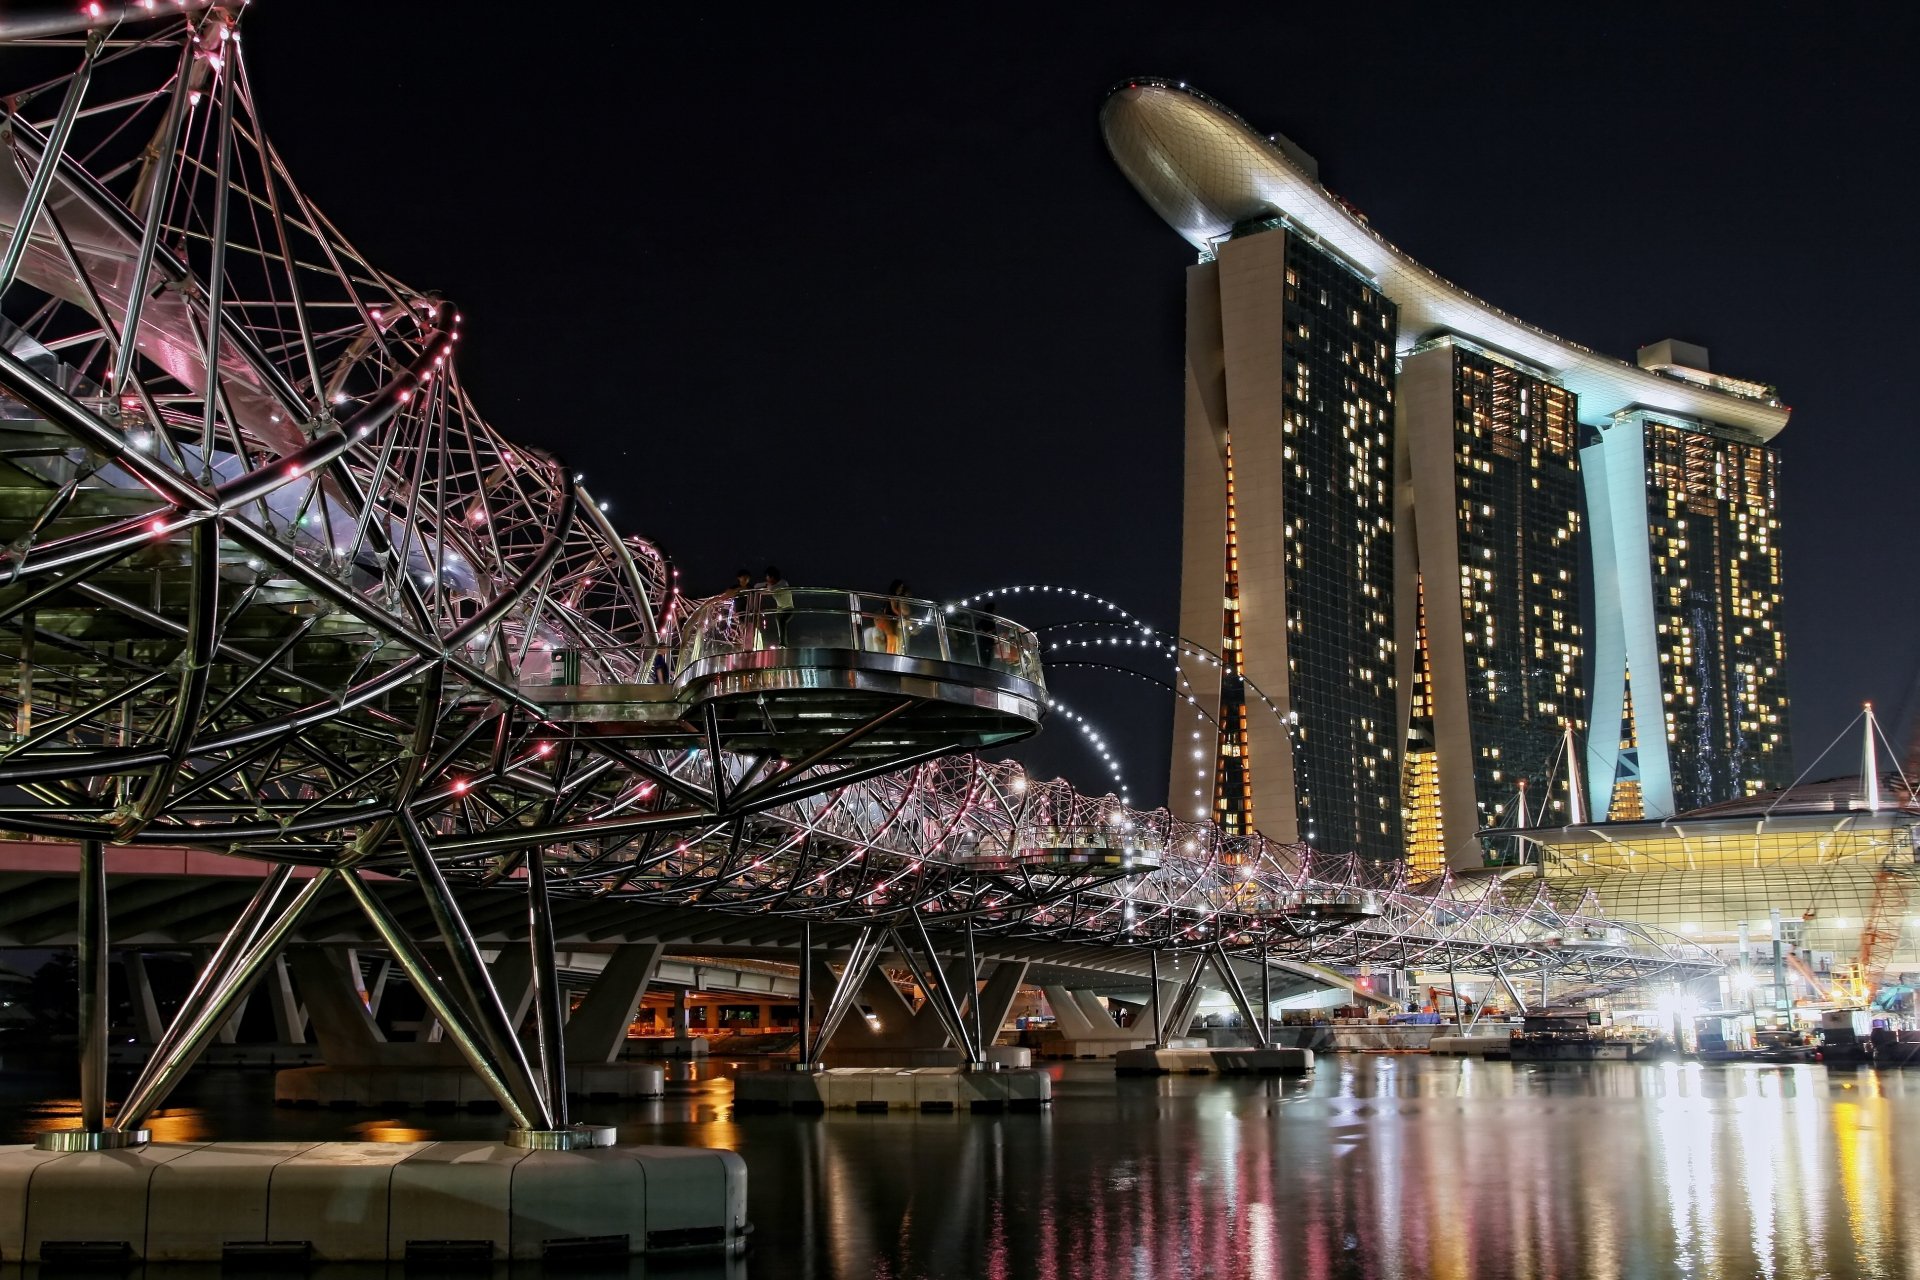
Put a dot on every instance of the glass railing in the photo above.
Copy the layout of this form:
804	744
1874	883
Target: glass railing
865	622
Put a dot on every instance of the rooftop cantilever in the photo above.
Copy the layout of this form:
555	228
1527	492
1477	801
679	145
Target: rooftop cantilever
786	672
1207	171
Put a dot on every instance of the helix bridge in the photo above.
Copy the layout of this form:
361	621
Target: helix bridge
274	588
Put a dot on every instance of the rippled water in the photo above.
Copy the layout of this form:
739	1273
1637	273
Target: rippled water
1375	1167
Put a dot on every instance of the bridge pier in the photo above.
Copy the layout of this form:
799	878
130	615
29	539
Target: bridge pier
364	1068
597	1031
1084	1029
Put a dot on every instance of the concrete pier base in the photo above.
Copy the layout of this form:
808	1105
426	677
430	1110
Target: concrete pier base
1496	1045
430	1204
1059	1047
894	1059
1225	1062
936	1089
448	1088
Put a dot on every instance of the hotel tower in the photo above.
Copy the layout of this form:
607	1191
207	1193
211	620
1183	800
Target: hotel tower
1388	488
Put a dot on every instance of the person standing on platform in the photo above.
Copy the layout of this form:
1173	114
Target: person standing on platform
897	617
777	605
743	620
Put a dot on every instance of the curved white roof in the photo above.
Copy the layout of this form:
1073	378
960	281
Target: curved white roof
1205	170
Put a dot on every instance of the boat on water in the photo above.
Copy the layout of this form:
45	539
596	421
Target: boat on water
1781	1047
1573	1035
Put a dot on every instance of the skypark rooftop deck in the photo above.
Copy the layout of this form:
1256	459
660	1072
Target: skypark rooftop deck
1207	171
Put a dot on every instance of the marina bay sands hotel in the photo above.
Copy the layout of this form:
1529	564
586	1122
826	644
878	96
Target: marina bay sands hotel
1435	546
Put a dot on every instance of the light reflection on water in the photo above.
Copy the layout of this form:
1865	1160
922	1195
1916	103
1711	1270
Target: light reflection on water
1376	1167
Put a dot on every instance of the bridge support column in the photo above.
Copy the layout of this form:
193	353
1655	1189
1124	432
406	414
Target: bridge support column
256	937
939	989
851	980
92	931
1223	964
597	1031
91	997
289	1015
1186	1001
993	1001
1068	1016
1098	1016
147	1027
342	1024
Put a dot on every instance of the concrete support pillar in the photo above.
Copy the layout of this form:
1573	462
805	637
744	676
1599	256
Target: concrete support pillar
889	1006
597	1031
996	998
377	989
289	1018
1185	1006
512	974
1097	1015
147	1027
1068	1017
344	1029
820	992
230	1029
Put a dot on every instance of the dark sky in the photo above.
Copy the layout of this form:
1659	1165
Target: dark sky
867	297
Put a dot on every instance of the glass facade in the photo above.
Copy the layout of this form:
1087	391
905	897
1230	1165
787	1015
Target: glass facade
1232	784
1713	537
1338	497
1516	466
1425	816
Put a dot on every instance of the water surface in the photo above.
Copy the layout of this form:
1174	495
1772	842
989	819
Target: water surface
1377	1166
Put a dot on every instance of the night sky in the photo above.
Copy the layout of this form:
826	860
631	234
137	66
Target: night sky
868	299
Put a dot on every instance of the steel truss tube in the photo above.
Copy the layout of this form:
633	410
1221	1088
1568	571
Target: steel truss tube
161	158
549	1002
1266	997
1224	966
1189	996
92	930
246	927
199	1025
866	949
216	282
48	166
1153	978
440	1000
845	740
489	1015
56	22
973	995
934	983
806	991
942	990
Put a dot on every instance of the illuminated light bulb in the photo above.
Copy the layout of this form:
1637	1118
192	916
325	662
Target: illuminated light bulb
460	785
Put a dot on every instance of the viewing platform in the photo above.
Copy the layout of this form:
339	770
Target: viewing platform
792	671
1121	845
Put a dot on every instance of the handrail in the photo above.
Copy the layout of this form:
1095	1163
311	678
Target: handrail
761	619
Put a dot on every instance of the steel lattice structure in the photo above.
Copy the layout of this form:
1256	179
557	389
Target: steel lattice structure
275	588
